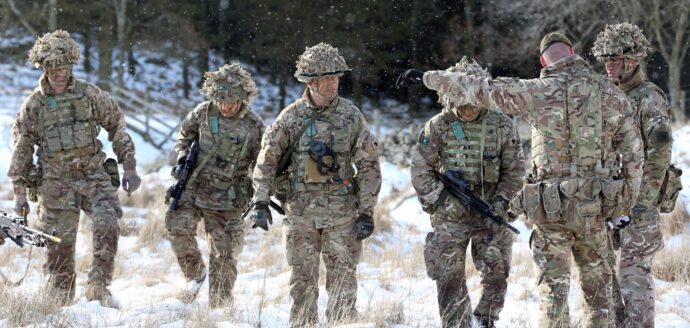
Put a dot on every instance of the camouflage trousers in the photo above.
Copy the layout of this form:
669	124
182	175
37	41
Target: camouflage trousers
340	252
59	203
554	243
225	236
444	255
633	283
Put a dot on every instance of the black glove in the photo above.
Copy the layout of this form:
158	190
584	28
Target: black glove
618	223
261	216
409	77
364	227
177	169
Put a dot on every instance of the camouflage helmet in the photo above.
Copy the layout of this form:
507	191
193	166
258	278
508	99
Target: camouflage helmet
229	83
468	67
620	40
54	49
318	61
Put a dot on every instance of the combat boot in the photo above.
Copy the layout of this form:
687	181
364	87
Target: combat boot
192	288
102	294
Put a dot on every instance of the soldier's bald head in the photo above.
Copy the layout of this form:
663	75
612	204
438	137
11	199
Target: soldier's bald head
555	52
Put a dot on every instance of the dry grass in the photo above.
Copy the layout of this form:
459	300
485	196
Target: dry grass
676	222
153	230
22	309
673	264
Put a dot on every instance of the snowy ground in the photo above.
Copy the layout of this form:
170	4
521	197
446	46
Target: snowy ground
394	290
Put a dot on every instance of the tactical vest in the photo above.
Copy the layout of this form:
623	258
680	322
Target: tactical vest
472	148
226	141
67	123
567	134
334	129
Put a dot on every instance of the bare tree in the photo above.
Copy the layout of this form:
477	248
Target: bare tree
52	15
121	20
20	16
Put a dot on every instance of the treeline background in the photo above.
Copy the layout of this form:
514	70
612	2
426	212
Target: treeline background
374	36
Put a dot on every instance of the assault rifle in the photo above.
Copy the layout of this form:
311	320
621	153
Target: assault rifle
16	229
460	189
183	173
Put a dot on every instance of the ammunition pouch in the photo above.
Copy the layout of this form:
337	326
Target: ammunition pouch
612	199
585	193
110	166
670	189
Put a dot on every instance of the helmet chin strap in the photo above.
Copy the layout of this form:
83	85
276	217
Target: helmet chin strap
627	72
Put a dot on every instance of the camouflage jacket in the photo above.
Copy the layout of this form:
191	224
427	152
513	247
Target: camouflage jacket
570	136
653	112
343	127
30	129
228	148
429	156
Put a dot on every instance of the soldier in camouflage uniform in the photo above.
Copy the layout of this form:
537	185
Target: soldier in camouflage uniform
62	118
622	47
229	137
586	168
484	146
329	208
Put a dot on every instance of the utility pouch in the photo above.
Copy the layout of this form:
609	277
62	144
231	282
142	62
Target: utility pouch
612	192
531	195
110	166
492	168
670	189
588	197
551	200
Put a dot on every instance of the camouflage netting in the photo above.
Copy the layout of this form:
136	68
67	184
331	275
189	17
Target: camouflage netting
54	49
320	60
469	67
622	39
229	83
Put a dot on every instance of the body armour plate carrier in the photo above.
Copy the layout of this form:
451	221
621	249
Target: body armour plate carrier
472	148
67	123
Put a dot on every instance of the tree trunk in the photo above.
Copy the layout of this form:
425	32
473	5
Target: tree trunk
105	56
202	63
121	20
357	92
186	86
676	100
52	15
282	91
88	66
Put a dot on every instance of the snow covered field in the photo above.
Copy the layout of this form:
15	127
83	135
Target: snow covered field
394	290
